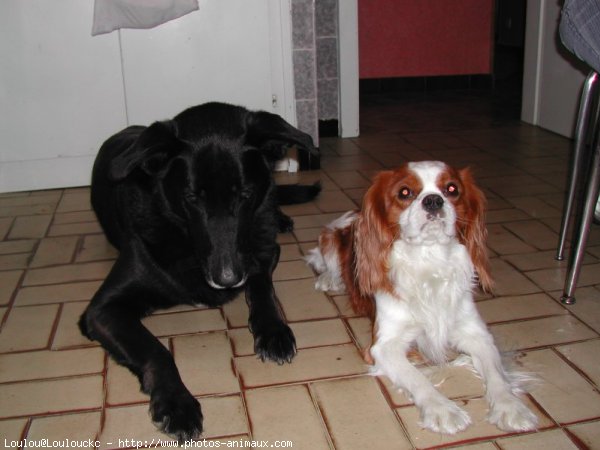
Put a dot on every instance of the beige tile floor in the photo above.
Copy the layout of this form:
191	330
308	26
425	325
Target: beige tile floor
56	385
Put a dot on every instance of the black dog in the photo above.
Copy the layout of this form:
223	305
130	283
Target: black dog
192	207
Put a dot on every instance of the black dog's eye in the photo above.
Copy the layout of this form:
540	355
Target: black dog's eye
193	196
246	193
451	190
405	193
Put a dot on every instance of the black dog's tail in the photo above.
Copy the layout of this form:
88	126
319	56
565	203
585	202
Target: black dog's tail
289	194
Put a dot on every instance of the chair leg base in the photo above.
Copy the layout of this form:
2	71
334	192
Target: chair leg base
567	300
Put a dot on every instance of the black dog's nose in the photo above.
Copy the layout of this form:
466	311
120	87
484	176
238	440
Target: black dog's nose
228	278
432	202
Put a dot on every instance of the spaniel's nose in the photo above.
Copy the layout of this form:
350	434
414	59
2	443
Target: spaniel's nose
432	203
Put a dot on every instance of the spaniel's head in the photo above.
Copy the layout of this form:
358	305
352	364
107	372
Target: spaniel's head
421	203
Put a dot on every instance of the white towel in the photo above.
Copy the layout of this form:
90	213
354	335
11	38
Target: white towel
110	15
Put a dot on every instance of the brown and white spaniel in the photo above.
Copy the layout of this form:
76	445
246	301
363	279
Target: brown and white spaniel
411	258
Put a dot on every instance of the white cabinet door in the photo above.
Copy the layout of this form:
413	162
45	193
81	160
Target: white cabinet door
221	52
61	93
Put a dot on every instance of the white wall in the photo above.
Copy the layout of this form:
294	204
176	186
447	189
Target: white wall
552	77
63	92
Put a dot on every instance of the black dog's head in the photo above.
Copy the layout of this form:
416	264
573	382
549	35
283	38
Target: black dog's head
208	172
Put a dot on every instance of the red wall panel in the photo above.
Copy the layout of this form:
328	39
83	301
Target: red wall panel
403	38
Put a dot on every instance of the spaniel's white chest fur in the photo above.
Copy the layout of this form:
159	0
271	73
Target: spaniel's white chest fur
430	273
432	291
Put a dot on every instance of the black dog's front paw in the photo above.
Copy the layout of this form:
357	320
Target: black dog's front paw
275	342
177	413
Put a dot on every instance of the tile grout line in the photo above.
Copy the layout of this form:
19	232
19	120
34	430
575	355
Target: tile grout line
574	366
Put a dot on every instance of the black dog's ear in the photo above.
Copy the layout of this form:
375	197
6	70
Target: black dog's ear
150	151
272	135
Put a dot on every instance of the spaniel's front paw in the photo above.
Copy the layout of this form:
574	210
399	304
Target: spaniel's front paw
510	414
444	416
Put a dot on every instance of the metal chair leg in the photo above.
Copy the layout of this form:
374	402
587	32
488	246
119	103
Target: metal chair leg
580	151
591	196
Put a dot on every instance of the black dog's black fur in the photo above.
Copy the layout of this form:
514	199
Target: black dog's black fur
192	207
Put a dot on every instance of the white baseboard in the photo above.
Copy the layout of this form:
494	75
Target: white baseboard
52	173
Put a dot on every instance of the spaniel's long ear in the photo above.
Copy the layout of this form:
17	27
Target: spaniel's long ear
273	135
150	151
373	238
472	230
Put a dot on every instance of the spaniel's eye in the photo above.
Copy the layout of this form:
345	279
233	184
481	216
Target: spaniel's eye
451	190
404	193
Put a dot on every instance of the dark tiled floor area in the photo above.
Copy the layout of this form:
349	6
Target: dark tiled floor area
56	385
